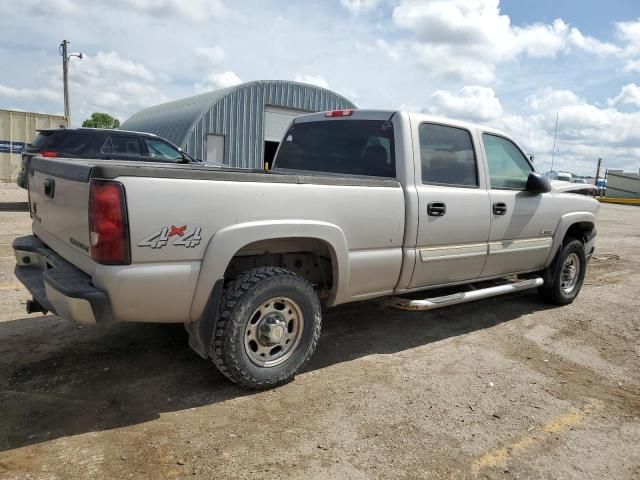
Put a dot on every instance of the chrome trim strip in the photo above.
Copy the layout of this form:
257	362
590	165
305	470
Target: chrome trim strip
452	252
519	246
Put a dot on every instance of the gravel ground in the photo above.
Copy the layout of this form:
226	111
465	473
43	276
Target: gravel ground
503	388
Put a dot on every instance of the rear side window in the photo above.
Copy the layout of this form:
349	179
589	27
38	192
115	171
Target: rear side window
350	147
125	145
447	156
64	142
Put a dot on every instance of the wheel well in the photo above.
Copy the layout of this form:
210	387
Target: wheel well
310	258
579	231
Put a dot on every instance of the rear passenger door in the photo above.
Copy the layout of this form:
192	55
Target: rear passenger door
453	220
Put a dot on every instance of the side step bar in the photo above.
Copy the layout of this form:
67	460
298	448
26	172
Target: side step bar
462	297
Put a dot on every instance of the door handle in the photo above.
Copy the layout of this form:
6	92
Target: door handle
436	209
49	187
499	208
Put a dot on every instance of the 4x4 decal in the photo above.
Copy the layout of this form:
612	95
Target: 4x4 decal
177	236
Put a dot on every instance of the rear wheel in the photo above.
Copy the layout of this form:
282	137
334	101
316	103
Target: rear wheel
569	275
268	329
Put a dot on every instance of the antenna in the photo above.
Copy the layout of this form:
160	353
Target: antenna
555	134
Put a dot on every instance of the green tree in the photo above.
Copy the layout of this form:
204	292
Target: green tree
101	120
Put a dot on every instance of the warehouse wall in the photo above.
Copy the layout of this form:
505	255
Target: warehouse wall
622	184
16	129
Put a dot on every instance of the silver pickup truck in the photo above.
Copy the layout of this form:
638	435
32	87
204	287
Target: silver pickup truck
360	204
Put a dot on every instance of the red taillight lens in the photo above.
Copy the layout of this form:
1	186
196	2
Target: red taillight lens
339	113
48	153
108	227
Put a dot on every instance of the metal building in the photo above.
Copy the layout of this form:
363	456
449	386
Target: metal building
16	129
622	184
239	126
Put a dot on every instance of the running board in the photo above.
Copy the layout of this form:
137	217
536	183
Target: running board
462	297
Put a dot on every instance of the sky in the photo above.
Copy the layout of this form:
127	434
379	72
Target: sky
512	65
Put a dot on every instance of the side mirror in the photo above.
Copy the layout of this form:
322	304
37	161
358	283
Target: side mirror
538	183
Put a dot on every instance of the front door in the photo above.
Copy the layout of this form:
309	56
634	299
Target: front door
522	223
453	223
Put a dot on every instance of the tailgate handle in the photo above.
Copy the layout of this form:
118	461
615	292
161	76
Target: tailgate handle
49	187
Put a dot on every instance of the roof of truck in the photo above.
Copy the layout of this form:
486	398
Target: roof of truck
375	114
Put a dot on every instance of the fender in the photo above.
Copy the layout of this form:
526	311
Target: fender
226	242
565	223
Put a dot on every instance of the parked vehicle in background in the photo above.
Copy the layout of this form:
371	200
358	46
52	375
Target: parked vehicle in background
564	176
360	204
100	144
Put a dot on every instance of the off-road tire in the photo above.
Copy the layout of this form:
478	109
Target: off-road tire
240	298
554	294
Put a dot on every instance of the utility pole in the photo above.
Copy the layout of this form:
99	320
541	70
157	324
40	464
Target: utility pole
65	78
65	75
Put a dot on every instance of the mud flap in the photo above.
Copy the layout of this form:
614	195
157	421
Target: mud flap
201	331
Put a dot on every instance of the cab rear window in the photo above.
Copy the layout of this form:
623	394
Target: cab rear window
349	147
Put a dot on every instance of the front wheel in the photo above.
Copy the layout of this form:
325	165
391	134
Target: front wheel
269	327
569	275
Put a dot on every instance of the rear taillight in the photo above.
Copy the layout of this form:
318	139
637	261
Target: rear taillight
48	153
339	113
108	227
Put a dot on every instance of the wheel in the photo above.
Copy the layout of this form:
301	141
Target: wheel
569	275
268	328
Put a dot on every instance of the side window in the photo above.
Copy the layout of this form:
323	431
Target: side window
447	156
125	145
161	151
508	167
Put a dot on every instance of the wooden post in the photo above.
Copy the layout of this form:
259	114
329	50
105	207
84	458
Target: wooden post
598	172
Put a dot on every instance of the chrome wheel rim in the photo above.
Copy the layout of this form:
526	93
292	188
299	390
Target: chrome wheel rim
570	273
273	332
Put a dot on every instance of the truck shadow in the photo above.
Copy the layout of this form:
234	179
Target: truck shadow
58	379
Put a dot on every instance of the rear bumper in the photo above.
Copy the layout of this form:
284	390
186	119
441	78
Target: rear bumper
57	285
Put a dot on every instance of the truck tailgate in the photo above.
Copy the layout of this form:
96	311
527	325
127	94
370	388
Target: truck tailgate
59	202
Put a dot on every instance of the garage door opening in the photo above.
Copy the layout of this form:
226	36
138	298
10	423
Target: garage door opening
269	153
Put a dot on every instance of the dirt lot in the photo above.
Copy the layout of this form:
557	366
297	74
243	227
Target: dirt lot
504	388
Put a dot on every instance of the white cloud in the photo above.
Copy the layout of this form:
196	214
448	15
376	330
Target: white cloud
197	11
218	80
629	95
358	6
10	93
472	102
112	63
629	34
110	83
210	56
586	131
468	38
317	80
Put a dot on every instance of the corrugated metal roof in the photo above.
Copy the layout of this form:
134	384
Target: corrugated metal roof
236	112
